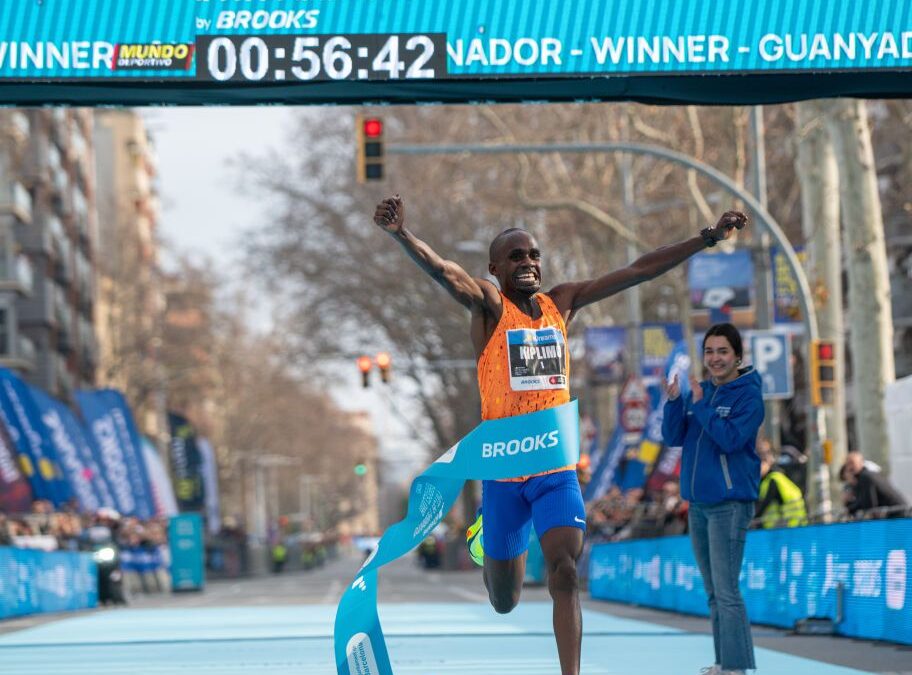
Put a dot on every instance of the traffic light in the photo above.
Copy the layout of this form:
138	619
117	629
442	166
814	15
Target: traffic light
369	133
823	373
364	365
360	469
383	363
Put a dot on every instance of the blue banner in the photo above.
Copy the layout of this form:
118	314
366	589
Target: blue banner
23	421
438	39
15	491
110	425
788	574
185	537
606	349
503	448
74	452
38	581
659	339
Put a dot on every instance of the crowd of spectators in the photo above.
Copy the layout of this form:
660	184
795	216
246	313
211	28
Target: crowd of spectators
638	514
142	545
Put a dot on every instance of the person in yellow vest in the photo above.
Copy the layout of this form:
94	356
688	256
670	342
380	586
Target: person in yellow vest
781	503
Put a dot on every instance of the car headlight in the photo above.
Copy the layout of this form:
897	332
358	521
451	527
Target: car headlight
106	554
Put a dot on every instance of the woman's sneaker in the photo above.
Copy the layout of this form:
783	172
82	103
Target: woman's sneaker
711	670
474	542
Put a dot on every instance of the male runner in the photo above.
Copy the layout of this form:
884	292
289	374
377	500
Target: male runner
520	340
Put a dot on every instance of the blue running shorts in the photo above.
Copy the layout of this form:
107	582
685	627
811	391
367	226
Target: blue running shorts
510	508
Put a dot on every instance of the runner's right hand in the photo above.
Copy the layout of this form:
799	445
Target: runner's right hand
390	214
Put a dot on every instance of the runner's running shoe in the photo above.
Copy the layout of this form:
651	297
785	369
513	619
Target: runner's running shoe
474	542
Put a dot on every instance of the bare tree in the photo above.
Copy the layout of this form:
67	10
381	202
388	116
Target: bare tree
871	331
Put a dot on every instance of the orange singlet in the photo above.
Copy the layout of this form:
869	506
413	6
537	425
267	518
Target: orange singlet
525	366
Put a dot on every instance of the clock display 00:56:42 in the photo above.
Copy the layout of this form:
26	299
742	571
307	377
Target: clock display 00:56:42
271	58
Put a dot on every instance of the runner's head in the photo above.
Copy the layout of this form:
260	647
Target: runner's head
515	261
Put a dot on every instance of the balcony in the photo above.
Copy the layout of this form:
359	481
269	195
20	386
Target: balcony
16	126
16	273
16	200
23	357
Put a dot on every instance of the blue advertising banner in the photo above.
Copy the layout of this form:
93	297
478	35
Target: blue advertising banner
77	456
15	491
185	537
110	425
222	45
786	299
23	421
659	339
606	348
40	581
78	465
721	288
788	574
445	38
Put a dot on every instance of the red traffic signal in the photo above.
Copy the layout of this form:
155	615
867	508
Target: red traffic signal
364	365
373	127
369	148
823	373
383	363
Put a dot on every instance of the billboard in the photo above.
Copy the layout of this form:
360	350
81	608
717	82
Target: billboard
183	51
788	574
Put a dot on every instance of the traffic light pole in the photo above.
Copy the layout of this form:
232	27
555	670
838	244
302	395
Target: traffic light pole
819	501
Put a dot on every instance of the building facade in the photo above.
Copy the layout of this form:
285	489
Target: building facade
47	207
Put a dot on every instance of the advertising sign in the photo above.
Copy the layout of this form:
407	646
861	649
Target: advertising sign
110	425
185	536
40	581
329	49
788	574
606	348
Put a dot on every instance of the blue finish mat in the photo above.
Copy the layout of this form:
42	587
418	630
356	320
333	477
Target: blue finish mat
424	639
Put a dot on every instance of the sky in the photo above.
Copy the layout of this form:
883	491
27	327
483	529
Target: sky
204	214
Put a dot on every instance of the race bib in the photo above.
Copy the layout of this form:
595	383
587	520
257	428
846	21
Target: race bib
538	359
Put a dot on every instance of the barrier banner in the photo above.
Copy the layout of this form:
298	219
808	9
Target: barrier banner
210	485
39	581
162	490
37	453
110	425
74	452
503	448
15	491
186	464
788	574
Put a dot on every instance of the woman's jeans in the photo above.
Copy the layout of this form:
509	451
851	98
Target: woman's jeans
717	533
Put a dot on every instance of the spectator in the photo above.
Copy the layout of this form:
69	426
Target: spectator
781	503
717	428
869	493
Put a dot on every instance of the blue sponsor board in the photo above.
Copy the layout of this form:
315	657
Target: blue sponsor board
23	422
110	426
334	42
76	457
40	581
606	348
659	340
447	38
185	537
788	575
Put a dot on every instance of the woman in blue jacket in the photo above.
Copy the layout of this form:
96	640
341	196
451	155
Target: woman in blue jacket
717	426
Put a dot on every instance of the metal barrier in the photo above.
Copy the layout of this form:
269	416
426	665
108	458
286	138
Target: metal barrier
789	576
